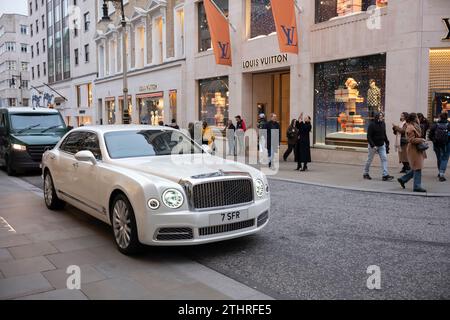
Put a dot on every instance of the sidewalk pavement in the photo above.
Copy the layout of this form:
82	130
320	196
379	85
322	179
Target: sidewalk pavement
351	177
37	245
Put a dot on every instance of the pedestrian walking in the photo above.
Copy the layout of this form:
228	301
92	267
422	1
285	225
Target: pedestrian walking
303	155
401	142
292	137
240	132
439	135
261	134
416	156
378	144
272	132
230	134
424	125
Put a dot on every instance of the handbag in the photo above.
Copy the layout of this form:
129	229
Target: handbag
422	146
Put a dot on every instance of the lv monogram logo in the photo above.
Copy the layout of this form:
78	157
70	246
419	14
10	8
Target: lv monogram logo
447	24
224	50
289	33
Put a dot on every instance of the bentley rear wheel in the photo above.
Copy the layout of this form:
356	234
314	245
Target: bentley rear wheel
124	225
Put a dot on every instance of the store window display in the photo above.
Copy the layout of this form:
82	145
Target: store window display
329	9
214	101
110	113
347	95
151	108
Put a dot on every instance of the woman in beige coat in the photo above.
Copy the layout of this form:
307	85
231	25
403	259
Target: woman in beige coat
401	142
416	157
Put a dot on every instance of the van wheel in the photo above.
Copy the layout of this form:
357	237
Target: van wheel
9	169
124	226
51	199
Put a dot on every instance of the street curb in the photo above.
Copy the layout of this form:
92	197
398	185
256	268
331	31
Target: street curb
405	193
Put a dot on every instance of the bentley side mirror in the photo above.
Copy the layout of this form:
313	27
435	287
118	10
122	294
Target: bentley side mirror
85	155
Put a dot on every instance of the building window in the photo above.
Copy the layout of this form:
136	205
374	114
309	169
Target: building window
23	47
32	73
214	101
32	51
31	29
151	108
12	102
86	53
37	26
75	29
38	71
37	48
86	21
31	8
179	33
43	45
204	37
24	66
10	46
11	65
75	54
23	29
327	9
25	102
89	94
44	67
36	4
78	93
43	22
24	84
347	94
261	18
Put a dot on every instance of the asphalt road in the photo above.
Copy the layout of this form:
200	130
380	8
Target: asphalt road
320	242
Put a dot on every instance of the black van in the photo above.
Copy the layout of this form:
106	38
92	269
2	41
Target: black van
25	133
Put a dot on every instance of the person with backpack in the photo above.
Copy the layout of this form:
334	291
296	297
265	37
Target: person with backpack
292	136
439	135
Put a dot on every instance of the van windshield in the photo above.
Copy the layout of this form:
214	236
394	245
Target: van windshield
41	121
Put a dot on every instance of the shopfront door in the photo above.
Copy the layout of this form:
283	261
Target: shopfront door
271	94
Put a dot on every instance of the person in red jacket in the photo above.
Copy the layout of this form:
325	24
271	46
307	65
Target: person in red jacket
240	131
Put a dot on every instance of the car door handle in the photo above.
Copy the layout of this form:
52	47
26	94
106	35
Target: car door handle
75	164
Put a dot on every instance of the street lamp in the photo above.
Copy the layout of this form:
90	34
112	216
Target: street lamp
119	4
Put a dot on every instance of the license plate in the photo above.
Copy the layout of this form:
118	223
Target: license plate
228	217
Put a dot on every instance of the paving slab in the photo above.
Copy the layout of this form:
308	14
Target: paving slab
5	255
13	240
116	288
89	241
32	250
78	257
58	277
25	266
15	287
54	235
61	294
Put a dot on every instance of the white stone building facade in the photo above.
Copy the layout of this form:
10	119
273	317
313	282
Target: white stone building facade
14	61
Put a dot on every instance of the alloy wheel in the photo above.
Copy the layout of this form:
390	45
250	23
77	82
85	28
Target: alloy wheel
48	190
122	224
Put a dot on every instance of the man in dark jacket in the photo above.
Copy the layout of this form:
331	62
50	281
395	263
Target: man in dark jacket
439	134
273	134
378	143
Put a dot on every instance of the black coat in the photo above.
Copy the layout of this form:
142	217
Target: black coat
376	134
303	148
269	126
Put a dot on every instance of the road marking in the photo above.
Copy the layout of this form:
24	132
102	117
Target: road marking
5	225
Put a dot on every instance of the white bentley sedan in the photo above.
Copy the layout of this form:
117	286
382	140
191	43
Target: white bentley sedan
154	186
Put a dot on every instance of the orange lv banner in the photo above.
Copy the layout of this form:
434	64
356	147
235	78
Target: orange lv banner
220	33
284	16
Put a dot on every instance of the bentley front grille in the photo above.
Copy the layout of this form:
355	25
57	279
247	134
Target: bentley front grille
171	234
222	193
36	151
205	231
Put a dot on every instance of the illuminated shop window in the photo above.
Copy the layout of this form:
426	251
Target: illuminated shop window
173	104
214	101
110	112
347	95
151	108
261	18
204	37
328	9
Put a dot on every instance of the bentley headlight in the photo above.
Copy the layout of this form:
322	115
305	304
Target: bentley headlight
172	198
259	188
18	147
